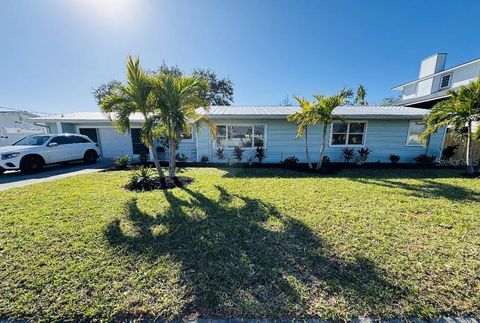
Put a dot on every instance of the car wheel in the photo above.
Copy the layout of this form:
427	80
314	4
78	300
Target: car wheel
31	165
90	157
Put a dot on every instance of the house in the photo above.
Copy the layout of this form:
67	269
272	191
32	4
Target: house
16	124
434	81
385	130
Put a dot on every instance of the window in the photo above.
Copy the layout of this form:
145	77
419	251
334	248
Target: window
188	137
445	81
245	136
138	146
60	140
32	141
415	129
348	133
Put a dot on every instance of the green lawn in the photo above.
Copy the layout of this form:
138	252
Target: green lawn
263	243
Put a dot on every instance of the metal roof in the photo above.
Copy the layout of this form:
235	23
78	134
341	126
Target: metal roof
257	112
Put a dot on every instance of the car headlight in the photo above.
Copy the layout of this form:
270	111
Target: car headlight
10	155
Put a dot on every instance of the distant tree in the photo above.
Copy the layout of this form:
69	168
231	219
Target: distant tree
286	101
105	89
391	100
219	91
459	112
361	95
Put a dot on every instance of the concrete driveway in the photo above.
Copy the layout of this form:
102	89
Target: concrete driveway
12	179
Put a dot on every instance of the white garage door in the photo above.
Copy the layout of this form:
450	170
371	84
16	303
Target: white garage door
114	144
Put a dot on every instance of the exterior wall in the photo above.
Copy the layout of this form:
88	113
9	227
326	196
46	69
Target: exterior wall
384	137
432	65
409	91
424	87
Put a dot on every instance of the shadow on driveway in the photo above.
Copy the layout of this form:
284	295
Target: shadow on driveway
12	179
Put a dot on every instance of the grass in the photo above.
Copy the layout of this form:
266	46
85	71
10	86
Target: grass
244	243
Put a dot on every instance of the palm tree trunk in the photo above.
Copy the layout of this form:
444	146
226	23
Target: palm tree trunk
306	149
469	157
157	162
171	156
322	147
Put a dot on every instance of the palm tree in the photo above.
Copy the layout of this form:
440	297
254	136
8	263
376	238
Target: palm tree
134	97
460	111
322	113
177	99
361	95
302	118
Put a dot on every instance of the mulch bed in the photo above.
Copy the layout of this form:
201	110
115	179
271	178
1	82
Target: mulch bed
157	183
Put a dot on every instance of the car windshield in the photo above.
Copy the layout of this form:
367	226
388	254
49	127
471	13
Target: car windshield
32	141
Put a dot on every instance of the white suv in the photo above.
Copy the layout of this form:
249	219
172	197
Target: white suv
33	152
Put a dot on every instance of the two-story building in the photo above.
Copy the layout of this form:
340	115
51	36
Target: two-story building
434	81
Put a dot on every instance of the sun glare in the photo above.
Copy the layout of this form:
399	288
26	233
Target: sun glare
110	12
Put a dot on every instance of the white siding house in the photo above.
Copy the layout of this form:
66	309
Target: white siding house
384	130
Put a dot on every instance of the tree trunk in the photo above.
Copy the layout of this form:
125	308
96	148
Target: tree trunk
171	157
322	147
469	157
306	149
157	162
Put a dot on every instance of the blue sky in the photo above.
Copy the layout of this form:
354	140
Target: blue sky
53	52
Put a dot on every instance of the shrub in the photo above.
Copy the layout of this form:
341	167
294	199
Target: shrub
122	162
394	158
143	159
238	153
181	158
363	155
260	154
204	159
347	154
220	153
424	159
141	180
290	161
449	151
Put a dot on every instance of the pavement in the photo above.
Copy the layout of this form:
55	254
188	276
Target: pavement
12	179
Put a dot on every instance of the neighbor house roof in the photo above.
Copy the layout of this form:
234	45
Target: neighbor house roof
426	98
10	110
257	112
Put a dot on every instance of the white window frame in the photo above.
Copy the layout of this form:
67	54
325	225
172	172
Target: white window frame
408	134
226	125
449	81
189	139
348	133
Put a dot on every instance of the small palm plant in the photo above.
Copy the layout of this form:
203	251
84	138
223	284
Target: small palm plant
133	97
303	120
459	112
322	113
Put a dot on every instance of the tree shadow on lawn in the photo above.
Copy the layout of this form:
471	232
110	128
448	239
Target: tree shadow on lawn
427	188
242	258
